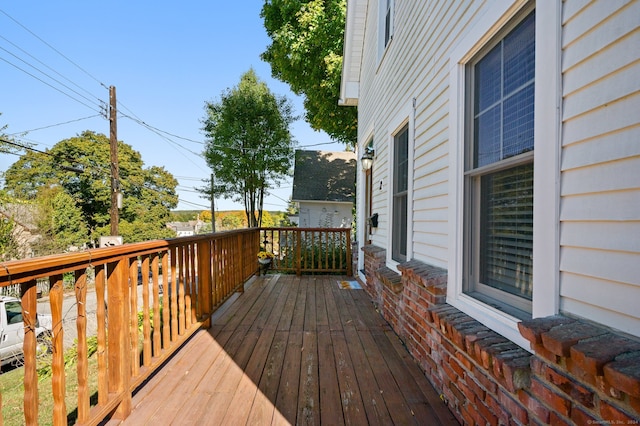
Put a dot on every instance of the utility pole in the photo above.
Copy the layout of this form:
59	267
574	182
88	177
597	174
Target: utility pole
115	173
213	209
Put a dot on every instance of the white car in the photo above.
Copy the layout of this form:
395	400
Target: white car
12	331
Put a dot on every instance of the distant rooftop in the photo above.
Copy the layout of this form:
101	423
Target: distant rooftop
324	176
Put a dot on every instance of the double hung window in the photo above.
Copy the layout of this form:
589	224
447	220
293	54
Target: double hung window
499	170
400	191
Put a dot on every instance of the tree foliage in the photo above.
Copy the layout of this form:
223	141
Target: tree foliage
249	147
149	193
306	52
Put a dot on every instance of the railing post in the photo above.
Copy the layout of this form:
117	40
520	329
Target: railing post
298	252
204	282
119	343
349	260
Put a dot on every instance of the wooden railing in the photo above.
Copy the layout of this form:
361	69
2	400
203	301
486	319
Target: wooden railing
148	298
309	250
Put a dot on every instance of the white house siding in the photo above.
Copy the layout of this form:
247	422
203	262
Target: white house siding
600	167
415	65
325	214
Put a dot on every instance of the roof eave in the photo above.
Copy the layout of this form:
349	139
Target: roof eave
352	53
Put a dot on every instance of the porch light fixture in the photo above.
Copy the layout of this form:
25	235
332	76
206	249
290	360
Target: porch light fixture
367	159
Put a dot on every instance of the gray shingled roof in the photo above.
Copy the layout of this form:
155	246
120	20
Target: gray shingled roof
324	176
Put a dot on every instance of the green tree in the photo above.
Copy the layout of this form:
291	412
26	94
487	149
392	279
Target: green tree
59	222
8	243
149	193
306	52
231	221
249	147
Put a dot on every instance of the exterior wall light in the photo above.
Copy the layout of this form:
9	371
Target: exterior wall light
367	159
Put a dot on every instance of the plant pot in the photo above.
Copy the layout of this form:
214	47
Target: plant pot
264	261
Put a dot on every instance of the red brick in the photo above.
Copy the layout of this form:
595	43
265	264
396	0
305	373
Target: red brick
576	370
489	352
475	415
487	415
534	406
582	417
453	376
497	409
457	393
570	387
475	386
593	354
467	391
517	372
485	380
532	329
467	416
624	374
464	360
553	399
557	420
538	366
560	339
471	339
634	403
610	413
544	353
460	328
513	407
456	366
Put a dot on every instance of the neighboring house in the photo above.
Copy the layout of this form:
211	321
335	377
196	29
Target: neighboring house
182	229
324	188
506	182
25	232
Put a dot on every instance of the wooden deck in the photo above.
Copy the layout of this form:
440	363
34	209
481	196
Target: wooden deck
291	350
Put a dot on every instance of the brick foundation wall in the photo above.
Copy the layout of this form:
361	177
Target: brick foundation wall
579	373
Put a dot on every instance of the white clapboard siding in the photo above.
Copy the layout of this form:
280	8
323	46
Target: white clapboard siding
600	166
415	66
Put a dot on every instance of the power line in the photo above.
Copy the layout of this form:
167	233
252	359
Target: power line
140	122
47	66
50	85
194	204
54	49
55	125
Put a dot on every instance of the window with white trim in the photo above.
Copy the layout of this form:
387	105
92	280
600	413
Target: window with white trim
498	172
400	192
385	25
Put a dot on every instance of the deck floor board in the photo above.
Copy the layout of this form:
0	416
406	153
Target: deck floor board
291	350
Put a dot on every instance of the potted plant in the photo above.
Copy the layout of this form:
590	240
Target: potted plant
265	257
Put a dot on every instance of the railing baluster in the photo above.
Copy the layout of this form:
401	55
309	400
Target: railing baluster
133	325
181	274
146	318
83	359
174	294
166	296
29	308
56	295
156	305
103	382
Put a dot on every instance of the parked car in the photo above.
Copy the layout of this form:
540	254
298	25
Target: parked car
12	331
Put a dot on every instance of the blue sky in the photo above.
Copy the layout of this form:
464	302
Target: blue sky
165	60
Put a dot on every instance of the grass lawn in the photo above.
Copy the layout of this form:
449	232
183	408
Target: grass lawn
12	388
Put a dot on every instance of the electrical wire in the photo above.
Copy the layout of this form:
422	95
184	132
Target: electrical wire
50	85
24	132
46	66
53	48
